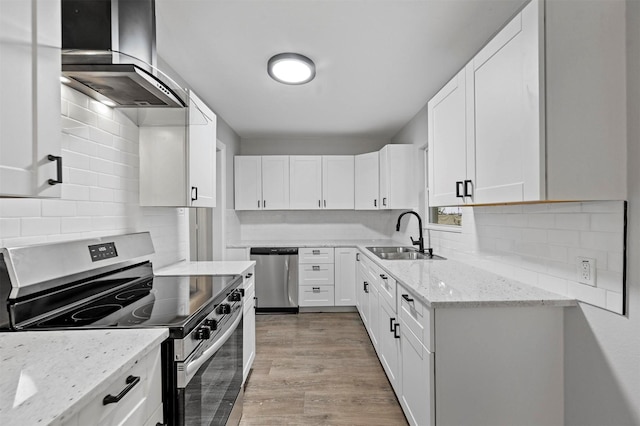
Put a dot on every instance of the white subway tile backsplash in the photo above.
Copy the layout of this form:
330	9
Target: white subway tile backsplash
100	165
614	302
74	97
76	160
101	109
615	262
100	194
75	225
83	115
74	127
79	145
576	221
75	192
593	295
608	280
616	207
602	258
608	241
607	222
534	235
541	220
108	125
9	227
551	283
129	132
564	238
82	177
101	137
19	207
58	208
32	226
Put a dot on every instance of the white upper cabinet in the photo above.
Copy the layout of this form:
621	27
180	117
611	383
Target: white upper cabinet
338	182
397	183
261	182
248	182
533	129
178	157
30	41
367	185
321	182
275	182
305	182
448	143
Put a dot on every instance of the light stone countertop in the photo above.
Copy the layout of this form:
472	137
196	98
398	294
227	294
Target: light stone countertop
453	284
188	268
49	376
312	243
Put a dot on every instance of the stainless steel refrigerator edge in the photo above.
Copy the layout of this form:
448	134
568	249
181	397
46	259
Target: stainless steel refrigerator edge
276	279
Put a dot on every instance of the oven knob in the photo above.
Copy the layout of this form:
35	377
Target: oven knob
211	323
223	309
203	333
235	296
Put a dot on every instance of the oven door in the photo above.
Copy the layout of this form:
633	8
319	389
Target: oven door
210	381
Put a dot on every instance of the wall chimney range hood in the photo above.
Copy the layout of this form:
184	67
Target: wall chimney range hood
109	54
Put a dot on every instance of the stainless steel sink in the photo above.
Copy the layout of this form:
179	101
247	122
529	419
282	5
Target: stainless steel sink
402	253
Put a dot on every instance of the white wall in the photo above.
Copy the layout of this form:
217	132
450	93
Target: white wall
100	189
602	349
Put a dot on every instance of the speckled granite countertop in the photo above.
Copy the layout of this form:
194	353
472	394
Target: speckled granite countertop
227	267
452	284
48	376
311	243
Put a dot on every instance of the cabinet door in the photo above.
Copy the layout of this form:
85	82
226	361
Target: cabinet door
338	182
345	276
202	153
374	311
248	182
389	344
503	87
362	289
30	38
447	143
248	325
397	183
306	182
417	396
367	185
367	181
275	182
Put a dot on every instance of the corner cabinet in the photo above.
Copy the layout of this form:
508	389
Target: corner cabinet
178	156
367	185
261	182
519	123
397	178
30	137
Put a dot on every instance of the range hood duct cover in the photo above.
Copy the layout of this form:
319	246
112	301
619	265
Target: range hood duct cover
109	53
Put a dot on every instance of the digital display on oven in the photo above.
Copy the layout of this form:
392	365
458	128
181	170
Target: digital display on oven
102	251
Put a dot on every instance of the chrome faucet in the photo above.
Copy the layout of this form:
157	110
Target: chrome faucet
420	241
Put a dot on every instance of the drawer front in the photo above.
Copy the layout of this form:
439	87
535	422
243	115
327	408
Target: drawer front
320	295
387	288
316	255
418	318
316	274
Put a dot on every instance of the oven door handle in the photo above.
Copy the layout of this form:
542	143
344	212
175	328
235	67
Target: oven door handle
192	367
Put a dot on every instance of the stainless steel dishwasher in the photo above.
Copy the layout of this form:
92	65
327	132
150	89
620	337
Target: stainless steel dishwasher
276	279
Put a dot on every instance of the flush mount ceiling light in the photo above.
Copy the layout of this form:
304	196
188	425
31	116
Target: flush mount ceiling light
291	68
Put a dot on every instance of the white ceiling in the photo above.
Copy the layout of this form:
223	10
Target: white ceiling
377	61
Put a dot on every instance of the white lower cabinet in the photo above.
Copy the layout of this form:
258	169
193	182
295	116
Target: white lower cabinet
327	276
464	365
345	276
248	323
140	405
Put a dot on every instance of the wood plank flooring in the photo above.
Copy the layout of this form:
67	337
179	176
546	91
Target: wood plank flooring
317	369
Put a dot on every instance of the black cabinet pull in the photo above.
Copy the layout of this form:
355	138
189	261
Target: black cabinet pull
249	275
316	289
315	268
319	205
58	161
366	287
468	188
384	201
194	193
391	325
258	203
325	203
407	298
459	193
357	257
383	276
375	203
396	333
315	252
131	381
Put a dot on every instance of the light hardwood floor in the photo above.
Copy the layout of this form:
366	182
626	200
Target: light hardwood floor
317	369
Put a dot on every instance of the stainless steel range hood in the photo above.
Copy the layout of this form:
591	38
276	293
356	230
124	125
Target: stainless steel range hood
109	54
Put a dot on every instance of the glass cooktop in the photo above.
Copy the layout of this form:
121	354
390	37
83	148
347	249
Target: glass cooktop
130	298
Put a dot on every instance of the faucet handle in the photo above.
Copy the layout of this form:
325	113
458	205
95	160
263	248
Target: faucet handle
415	242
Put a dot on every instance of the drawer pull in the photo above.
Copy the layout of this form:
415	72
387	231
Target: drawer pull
249	275
315	268
316	289
357	257
131	381
391	326
407	298
315	252
383	276
366	287
58	161
396	333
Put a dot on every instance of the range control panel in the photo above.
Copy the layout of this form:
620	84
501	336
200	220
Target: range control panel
102	251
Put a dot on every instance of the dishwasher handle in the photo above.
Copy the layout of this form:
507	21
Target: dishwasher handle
274	251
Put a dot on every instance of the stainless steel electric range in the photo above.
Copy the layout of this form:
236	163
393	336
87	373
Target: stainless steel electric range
108	282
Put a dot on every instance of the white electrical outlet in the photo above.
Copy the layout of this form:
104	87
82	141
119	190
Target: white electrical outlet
586	270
